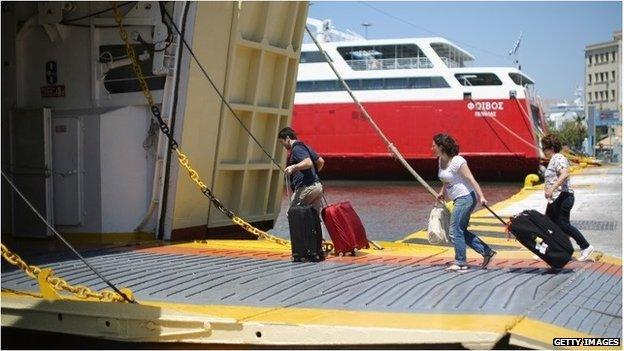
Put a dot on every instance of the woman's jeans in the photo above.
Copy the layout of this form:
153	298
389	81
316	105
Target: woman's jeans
462	209
559	212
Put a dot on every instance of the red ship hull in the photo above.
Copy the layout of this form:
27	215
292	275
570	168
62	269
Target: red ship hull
353	150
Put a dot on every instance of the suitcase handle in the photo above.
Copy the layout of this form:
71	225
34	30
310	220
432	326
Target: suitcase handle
500	219
495	215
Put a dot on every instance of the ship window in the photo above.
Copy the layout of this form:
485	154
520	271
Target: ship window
312	57
522	80
374	84
354	84
478	79
450	55
396	83
383	57
304	86
325	85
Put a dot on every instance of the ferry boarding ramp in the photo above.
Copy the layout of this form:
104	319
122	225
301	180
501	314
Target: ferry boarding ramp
249	293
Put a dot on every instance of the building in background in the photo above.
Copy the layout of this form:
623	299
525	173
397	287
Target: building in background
603	95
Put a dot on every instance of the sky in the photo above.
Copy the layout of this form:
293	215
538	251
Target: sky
554	33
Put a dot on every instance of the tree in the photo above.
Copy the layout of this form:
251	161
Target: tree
572	133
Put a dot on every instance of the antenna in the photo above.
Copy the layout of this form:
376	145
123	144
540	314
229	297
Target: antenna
366	25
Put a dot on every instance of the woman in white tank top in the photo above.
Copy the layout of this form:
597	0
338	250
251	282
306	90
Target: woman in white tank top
459	185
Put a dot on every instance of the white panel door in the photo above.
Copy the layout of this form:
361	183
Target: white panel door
67	156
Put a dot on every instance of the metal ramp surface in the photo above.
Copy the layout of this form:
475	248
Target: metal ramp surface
401	292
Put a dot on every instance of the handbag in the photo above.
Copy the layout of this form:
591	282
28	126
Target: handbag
438	226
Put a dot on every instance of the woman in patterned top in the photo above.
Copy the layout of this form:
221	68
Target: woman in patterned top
559	194
460	186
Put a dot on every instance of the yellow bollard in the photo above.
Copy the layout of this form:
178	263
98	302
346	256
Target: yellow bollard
531	180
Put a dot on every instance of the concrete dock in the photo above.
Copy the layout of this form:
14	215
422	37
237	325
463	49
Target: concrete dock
249	293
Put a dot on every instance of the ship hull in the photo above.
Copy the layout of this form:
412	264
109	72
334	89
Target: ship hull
353	150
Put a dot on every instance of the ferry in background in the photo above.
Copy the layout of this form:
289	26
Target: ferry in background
413	89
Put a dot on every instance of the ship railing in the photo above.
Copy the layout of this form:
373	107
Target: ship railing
387	64
450	63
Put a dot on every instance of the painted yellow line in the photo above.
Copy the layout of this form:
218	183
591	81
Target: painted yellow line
456	322
422	234
487	228
487	239
486	219
539	334
405	249
611	260
251	245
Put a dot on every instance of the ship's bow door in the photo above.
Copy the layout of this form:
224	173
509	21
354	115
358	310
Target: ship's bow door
31	159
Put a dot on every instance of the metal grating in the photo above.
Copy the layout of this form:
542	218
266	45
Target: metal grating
247	281
595	225
592	304
585	299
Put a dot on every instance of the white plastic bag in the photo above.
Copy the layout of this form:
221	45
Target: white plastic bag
438	228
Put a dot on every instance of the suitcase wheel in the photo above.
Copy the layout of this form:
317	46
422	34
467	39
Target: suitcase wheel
295	259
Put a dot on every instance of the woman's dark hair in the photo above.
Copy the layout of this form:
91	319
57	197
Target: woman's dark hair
287	132
447	143
550	141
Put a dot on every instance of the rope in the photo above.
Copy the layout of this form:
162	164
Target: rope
33	271
173	144
390	146
514	133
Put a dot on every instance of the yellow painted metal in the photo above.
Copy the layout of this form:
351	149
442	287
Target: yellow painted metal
531	180
47	291
497	227
510	243
48	280
154	321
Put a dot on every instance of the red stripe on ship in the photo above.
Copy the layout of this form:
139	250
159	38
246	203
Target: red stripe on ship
353	149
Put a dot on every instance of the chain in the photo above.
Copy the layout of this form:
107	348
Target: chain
182	158
80	291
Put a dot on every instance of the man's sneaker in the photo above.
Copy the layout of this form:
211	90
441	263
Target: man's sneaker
456	268
586	253
487	258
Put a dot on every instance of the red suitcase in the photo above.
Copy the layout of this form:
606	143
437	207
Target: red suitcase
345	228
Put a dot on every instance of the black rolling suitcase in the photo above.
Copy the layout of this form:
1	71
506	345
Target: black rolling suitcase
306	236
541	236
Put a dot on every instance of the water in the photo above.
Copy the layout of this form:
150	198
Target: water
390	210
